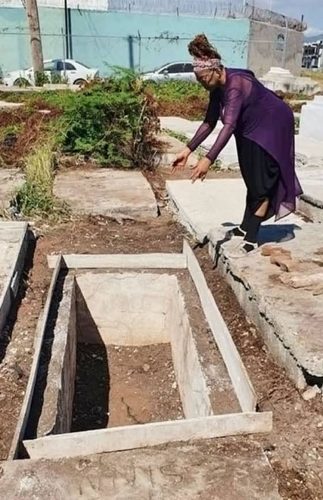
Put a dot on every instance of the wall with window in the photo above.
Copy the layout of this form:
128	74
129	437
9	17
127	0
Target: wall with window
106	39
274	46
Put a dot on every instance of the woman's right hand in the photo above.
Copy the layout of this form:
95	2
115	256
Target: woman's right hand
181	159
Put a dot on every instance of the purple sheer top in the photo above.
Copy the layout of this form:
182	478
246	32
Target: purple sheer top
248	109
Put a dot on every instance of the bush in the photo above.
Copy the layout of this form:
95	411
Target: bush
114	121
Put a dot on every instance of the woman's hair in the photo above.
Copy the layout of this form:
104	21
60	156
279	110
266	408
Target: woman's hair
201	48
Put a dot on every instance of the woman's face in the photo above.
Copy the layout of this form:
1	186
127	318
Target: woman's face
209	78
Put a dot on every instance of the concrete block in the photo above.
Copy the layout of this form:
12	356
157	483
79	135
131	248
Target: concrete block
11	179
288	318
142	435
57	409
280	79
13	248
106	192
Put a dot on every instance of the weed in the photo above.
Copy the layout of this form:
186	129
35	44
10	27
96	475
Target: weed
36	197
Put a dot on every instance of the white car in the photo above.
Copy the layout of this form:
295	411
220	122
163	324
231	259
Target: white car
57	71
171	71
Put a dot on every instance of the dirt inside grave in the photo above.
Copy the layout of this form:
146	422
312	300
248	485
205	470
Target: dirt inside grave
124	385
294	448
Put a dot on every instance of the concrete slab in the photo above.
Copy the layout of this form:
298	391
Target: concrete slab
13	247
228	157
10	180
288	318
227	470
311	119
311	204
309	152
106	192
215	204
10	105
172	147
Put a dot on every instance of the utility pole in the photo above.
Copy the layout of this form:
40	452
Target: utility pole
35	38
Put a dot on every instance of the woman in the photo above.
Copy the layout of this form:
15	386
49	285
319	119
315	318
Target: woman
263	126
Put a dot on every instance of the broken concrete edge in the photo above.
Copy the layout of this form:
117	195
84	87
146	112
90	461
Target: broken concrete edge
56	415
311	208
121	261
267	326
38	342
236	369
11	286
145	435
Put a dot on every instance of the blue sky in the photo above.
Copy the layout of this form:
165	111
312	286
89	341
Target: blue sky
312	10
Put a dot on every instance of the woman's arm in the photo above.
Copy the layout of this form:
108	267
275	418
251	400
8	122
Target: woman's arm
210	121
238	88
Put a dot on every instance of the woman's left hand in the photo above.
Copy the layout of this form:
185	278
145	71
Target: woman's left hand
201	169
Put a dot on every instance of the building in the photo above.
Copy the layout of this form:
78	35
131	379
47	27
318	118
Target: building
144	34
313	55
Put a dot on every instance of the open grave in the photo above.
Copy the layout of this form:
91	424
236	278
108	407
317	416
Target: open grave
131	352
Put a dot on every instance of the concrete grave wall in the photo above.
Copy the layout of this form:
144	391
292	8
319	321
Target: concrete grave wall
56	415
127	309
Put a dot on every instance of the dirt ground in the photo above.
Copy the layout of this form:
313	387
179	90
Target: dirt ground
294	448
192	108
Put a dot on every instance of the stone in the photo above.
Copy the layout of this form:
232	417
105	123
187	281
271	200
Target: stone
312	119
311	393
106	192
284	262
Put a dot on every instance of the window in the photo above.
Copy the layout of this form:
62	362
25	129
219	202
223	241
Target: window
50	66
175	68
68	66
280	43
188	68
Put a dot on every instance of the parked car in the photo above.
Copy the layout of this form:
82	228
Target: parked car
57	71
171	71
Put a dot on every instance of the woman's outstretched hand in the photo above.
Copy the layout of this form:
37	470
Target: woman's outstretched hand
181	159
201	169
